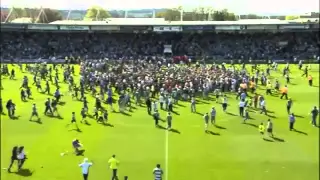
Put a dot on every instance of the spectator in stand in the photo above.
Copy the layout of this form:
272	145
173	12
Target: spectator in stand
126	46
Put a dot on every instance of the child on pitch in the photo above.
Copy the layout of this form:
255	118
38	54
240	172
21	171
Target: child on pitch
73	121
246	115
261	129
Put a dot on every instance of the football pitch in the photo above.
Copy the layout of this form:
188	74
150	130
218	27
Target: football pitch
233	151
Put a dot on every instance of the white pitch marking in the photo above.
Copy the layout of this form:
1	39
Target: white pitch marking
166	154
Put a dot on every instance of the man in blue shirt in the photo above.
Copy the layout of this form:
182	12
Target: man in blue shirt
292	120
85	165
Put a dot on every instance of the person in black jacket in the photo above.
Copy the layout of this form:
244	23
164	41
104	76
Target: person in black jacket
21	156
148	103
13	157
9	107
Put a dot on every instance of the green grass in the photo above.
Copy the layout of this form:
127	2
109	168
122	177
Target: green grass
238	153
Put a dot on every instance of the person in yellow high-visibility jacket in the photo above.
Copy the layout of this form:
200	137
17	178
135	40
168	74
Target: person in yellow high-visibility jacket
284	92
252	86
310	80
261	129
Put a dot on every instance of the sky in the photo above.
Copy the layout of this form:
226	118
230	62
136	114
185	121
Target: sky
263	7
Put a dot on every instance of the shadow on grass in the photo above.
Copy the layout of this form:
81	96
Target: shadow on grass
251	110
133	107
298	116
175	112
24	172
212	133
80	152
268	111
274	139
108	124
161	127
201	114
37	121
55	117
87	123
271	116
162	120
219	127
300	132
231	114
278	139
15	117
76	129
181	105
268	140
175	131
126	114
61	103
201	102
252	125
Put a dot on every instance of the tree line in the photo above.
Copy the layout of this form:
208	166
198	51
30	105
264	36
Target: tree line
97	13
36	15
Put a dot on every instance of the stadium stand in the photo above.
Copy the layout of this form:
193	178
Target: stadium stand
241	43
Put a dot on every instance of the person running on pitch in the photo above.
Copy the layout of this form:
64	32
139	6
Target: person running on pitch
14	157
213	115
169	120
270	128
261	129
34	112
284	92
305	71
83	115
73	121
54	104
310	80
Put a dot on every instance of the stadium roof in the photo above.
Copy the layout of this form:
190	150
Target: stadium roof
162	21
260	7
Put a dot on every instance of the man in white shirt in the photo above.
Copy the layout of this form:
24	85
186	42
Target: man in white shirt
263	107
85	165
241	107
